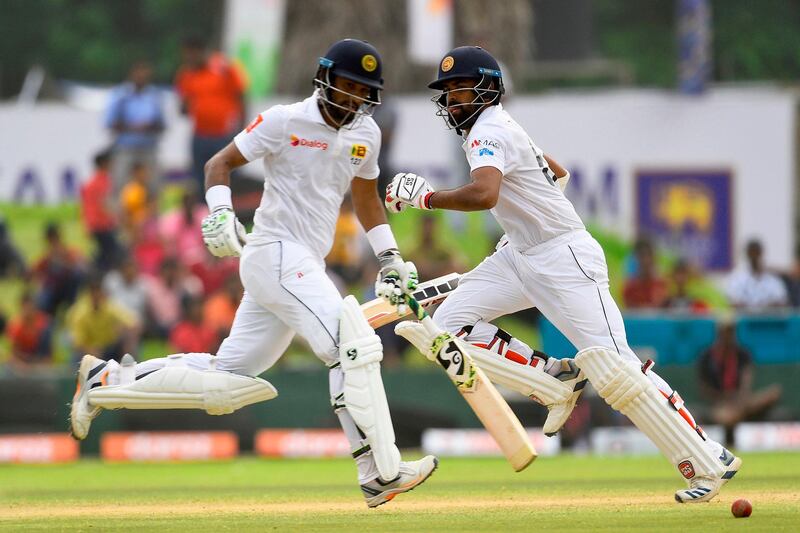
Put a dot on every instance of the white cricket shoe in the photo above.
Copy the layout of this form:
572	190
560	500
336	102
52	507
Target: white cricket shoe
412	473
703	489
93	372
559	413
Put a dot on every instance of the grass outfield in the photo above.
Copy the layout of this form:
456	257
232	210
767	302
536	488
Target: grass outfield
564	493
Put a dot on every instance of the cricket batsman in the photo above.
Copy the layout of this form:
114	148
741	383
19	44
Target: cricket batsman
547	260
312	152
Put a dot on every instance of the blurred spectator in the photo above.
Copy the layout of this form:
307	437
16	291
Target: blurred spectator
211	89
98	213
59	272
752	287
220	309
29	334
181	228
191	335
136	117
645	289
791	279
127	289
100	327
147	248
431	257
680	297
165	295
11	262
726	381
346	258
137	200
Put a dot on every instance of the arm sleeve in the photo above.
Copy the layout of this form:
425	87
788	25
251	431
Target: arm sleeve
486	147
264	134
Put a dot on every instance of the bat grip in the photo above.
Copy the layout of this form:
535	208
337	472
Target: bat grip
422	315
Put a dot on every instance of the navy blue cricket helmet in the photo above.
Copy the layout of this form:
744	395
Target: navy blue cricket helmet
468	63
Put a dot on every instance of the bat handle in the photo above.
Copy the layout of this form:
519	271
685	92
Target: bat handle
422	315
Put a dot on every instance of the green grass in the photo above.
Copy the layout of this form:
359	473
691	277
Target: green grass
564	493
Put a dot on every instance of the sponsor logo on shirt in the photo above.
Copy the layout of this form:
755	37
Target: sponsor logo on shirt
294	140
485	151
484	142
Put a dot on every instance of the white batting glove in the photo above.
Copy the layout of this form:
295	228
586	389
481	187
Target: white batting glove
396	279
223	234
408	189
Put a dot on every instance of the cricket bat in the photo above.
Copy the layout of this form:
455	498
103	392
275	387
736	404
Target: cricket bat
481	395
380	312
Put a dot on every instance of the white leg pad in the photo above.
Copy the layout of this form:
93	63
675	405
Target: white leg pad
624	387
526	380
361	353
181	387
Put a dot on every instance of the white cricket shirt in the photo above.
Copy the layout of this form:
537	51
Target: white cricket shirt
531	208
308	167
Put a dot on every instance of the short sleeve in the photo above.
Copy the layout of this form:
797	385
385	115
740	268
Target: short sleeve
486	147
263	135
369	170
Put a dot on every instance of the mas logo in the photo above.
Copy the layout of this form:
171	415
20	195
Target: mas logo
369	63
294	140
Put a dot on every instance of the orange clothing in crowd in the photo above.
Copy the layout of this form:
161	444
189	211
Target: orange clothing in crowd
135	202
188	337
25	334
645	293
219	312
213	95
95	195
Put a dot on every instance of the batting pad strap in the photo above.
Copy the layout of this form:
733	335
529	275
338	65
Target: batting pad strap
381	238
625	388
360	352
525	379
218	196
181	387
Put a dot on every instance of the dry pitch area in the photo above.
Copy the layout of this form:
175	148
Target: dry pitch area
565	493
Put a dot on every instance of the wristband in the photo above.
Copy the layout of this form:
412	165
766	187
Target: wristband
381	238
218	196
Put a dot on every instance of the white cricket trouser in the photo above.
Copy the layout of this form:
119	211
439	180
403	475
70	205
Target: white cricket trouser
566	278
286	291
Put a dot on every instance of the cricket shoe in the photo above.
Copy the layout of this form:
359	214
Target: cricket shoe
559	413
92	373
704	488
412	473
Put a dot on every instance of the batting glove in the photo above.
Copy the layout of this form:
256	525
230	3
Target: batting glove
408	189
223	234
396	279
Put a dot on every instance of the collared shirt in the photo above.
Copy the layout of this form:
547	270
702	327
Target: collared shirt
130	107
531	208
308	167
756	291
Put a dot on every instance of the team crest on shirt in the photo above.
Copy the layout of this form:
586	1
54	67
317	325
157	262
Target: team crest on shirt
357	154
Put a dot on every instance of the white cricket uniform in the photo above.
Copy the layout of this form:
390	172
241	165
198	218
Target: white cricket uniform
551	262
308	167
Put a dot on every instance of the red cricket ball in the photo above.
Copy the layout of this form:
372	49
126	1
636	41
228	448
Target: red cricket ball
741	508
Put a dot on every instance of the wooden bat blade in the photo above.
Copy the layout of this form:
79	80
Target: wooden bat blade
500	421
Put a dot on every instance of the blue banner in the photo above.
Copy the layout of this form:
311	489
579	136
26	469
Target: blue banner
690	213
